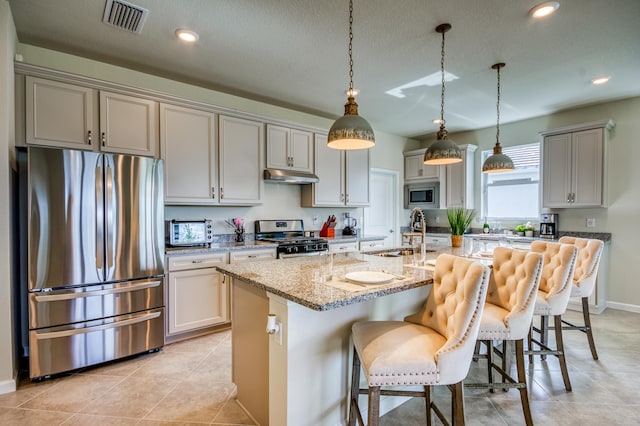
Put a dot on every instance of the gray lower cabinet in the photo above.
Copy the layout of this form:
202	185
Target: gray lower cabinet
197	294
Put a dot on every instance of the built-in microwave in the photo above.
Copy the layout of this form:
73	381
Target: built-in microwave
188	232
422	195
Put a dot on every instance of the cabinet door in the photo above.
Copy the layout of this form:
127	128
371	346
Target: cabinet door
357	177
277	147
587	152
556	170
128	125
188	148
415	169
59	114
241	159
329	166
301	150
455	185
197	298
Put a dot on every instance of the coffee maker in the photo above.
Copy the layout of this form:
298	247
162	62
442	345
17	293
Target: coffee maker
549	225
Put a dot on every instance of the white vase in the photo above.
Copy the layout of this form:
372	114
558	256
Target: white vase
528	233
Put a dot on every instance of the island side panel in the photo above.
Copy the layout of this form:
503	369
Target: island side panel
250	349
309	373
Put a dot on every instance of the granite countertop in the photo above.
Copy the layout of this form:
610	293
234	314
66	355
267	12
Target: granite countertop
294	278
604	236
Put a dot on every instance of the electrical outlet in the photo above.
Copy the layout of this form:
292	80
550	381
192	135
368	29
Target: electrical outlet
437	219
316	220
591	222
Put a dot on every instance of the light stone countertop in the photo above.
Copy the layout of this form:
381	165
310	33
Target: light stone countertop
294	278
218	247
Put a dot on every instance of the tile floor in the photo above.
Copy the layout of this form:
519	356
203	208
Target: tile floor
189	383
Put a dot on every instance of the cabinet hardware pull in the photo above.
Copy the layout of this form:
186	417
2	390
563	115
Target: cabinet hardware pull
221	193
89	137
213	192
568	197
104	139
196	261
347	198
341	197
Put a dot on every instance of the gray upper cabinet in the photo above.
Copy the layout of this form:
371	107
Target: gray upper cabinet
573	166
189	149
71	116
289	149
343	177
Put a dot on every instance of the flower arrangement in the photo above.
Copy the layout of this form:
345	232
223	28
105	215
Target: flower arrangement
237	224
525	229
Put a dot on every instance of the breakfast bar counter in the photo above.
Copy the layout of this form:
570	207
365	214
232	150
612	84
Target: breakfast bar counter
299	375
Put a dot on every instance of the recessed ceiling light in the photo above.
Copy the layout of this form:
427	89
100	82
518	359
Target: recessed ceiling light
187	35
600	80
544	9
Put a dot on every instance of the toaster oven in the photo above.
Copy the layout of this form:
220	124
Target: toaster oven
188	232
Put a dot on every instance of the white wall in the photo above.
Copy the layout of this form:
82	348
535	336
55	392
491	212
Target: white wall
8	41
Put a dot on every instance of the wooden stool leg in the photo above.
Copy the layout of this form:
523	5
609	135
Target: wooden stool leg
587	324
374	406
522	378
489	344
544	332
560	347
457	399
427	397
530	344
355	388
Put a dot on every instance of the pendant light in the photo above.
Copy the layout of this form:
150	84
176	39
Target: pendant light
443	150
351	131
498	162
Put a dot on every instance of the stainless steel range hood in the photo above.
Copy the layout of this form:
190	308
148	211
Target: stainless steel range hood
289	176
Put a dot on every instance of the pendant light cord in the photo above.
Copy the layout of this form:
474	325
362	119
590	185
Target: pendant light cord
351	48
442	82
498	109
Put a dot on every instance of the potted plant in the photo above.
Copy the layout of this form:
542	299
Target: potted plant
520	229
459	221
528	229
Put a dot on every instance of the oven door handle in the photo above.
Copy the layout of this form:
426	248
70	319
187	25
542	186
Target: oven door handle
311	253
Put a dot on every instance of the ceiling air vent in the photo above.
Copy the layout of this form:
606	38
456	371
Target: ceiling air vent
124	15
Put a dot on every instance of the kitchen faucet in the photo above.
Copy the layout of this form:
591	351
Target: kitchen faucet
423	225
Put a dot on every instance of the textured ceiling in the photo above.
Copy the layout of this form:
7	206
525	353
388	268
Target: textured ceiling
294	53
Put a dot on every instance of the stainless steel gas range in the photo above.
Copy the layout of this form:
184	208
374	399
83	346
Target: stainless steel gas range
290	237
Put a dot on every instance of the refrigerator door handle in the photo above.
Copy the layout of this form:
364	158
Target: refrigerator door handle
99	219
109	212
47	297
66	333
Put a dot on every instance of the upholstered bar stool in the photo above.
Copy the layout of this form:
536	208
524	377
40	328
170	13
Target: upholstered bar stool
584	282
552	299
431	347
507	316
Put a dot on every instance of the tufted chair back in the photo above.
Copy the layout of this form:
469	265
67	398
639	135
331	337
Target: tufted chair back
513	286
453	309
557	276
589	253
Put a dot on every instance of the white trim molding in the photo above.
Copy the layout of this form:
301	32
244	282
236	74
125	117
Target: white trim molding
624	307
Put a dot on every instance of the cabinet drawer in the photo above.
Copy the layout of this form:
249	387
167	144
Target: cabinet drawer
371	245
343	247
251	255
180	263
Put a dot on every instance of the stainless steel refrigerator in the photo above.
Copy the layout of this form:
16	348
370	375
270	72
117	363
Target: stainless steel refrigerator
95	258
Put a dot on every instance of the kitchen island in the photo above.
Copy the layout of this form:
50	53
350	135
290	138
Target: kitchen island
300	376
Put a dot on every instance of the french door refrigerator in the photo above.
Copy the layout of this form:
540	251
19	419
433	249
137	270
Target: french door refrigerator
95	258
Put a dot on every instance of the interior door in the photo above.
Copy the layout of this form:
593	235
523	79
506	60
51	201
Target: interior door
381	217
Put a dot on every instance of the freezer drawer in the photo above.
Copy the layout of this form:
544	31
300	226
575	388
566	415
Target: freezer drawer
80	304
58	349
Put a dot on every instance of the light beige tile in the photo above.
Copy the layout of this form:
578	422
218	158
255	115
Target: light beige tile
26	417
93	420
191	401
72	393
121	368
132	397
232	413
170	365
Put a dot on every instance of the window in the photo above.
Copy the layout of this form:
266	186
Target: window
513	195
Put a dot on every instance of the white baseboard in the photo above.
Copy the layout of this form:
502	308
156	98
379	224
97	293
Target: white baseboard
7	386
623	307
